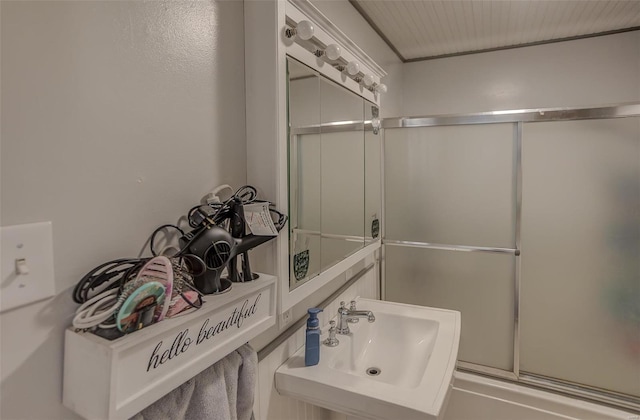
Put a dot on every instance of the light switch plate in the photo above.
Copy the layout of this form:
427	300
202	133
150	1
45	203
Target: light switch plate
32	246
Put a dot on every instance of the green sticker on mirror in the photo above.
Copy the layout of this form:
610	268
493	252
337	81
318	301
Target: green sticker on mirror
301	264
375	228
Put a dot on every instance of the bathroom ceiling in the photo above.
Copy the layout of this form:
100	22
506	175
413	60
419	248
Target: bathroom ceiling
424	29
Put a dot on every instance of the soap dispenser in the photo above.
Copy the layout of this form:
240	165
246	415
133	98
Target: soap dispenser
312	343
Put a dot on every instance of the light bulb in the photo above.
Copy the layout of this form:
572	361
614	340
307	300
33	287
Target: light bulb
381	88
367	80
376	123
333	51
304	30
353	68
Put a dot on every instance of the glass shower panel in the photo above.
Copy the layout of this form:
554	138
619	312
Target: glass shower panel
580	284
451	185
479	285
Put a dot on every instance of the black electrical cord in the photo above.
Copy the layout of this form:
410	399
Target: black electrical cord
282	219
192	304
245	195
113	274
155	232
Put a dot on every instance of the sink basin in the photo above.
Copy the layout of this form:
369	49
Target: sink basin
398	367
398	348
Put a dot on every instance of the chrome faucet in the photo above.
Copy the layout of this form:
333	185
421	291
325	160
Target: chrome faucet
352	307
344	314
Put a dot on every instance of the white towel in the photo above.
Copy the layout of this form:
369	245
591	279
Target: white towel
224	391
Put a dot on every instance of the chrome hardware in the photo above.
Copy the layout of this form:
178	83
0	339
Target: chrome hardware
352	307
344	314
332	341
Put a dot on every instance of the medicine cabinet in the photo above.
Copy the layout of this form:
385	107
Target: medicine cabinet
324	162
334	177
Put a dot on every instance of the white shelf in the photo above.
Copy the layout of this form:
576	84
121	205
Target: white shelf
116	379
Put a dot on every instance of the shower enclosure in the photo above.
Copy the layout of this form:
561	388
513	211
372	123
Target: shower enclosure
528	223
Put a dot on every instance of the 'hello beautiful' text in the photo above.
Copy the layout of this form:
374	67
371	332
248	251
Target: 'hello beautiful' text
182	341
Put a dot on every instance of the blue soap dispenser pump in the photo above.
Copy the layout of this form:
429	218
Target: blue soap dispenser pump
312	343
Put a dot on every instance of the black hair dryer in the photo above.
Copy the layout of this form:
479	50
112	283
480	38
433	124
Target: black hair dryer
215	246
237	228
219	248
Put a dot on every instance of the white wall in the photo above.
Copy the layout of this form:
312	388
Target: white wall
116	118
591	71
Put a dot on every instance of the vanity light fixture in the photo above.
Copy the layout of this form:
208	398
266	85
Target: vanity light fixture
304	30
332	52
378	88
375	125
353	68
368	80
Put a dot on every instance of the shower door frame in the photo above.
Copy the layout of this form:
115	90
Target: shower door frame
517	117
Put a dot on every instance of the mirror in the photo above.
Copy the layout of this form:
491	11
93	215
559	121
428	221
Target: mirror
334	173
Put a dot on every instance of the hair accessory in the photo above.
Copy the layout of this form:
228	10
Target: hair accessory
159	269
141	308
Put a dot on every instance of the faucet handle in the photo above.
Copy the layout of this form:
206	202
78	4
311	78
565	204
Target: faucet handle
352	307
331	341
342	308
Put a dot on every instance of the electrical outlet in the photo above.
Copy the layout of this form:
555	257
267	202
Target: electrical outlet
285	318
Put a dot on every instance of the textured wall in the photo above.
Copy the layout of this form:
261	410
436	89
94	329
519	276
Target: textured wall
116	118
592	71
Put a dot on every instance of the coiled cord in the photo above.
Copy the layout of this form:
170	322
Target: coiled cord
219	212
112	274
97	310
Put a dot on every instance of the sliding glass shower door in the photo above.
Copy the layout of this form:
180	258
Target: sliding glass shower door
580	300
450	230
529	224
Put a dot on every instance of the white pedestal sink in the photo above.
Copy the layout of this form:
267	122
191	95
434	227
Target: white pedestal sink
398	367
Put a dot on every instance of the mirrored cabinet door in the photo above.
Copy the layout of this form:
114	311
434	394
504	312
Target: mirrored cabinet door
342	149
304	172
334	173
